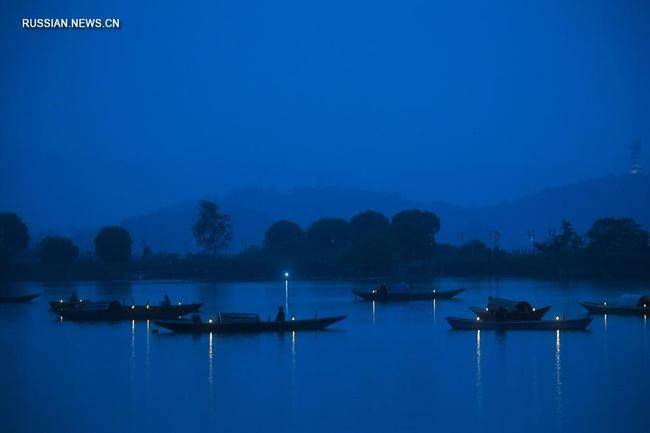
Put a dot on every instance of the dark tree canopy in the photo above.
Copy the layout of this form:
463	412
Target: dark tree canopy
328	234
474	249
368	224
415	232
57	249
284	238
617	235
567	242
14	235
212	230
113	244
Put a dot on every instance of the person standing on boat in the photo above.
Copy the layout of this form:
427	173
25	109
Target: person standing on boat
74	298
166	302
280	316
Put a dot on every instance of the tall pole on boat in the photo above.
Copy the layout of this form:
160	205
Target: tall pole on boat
286	292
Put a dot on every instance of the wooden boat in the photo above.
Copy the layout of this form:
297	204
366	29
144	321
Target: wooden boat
60	304
506	309
246	323
23	299
630	305
512	325
402	292
115	311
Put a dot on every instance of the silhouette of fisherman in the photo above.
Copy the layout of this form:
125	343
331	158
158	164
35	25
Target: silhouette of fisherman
74	298
383	290
280	316
166	302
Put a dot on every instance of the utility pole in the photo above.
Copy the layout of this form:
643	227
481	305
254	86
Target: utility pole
496	236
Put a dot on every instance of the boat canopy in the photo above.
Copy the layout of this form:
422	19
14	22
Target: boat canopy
508	305
629	300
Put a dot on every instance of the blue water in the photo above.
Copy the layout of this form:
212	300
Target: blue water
387	368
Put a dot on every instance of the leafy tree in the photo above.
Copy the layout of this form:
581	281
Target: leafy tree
368	224
284	238
113	244
14	236
415	232
212	230
617	235
328	235
371	250
57	249
567	242
474	249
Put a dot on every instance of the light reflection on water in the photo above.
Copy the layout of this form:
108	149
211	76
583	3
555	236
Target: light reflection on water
405	372
558	379
479	384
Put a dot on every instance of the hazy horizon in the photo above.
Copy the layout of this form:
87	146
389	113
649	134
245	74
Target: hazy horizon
470	103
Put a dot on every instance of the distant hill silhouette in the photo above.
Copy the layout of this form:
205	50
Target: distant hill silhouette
254	209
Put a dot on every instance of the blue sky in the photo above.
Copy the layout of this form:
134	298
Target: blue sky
466	101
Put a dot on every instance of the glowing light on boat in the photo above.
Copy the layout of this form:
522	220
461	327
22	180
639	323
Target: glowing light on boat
605	303
478	318
293	317
209	320
533	308
147	306
133	307
61	301
487	309
179	303
557	317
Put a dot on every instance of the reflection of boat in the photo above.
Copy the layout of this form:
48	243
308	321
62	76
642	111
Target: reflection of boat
114	311
503	325
402	292
18	299
246	323
626	304
506	309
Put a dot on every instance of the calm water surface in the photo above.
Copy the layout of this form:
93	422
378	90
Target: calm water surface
387	368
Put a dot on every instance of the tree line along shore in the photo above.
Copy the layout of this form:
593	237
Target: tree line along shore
367	246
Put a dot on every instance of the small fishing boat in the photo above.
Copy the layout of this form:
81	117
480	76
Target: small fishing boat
625	305
402	292
23	299
61	304
516	325
246	323
506	309
116	311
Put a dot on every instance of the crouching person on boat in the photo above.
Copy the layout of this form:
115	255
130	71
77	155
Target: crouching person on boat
166	302
280	316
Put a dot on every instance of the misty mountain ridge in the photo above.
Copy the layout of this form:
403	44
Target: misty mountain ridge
253	210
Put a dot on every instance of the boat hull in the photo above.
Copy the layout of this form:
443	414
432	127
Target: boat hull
514	315
137	312
18	299
595	308
513	325
408	296
188	326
